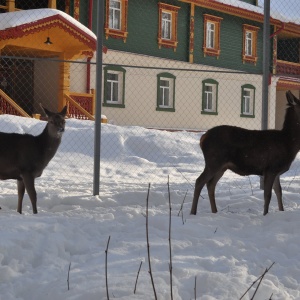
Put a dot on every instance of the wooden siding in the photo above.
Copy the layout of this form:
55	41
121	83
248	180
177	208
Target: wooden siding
231	44
142	36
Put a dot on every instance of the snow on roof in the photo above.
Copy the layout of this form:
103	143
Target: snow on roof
17	18
278	11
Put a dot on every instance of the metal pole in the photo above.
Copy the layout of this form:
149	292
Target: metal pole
97	136
266	65
266	73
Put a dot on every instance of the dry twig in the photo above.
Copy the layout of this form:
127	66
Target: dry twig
106	280
148	245
137	277
170	243
260	278
68	279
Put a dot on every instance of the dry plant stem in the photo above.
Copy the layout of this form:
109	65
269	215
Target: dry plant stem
259	278
68	280
137	277
195	288
181	207
251	185
148	245
106	280
170	243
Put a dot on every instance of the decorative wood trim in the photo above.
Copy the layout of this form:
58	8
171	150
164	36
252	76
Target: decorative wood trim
274	52
173	10
217	22
76	9
115	33
9	106
192	34
250	58
48	22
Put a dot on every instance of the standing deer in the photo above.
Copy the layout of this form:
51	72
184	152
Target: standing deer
24	157
267	153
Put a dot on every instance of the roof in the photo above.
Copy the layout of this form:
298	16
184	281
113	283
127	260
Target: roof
29	28
256	13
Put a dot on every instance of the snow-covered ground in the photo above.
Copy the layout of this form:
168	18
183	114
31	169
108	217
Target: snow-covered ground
223	253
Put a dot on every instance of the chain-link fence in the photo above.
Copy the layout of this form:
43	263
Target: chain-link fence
180	66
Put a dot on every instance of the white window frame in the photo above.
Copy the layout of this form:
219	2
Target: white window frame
166	91
166	26
115	14
210	35
248	43
209	104
112	84
248	101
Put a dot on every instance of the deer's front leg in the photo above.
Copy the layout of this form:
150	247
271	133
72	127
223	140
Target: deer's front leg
21	191
28	180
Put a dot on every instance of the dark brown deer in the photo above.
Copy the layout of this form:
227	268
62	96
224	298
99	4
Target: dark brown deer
24	157
267	153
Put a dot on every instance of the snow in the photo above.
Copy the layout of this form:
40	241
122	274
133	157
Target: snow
224	252
17	18
287	12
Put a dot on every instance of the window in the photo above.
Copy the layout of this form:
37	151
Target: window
249	54
248	101
210	37
167	31
114	86
211	45
116	19
166	92
210	97
115	14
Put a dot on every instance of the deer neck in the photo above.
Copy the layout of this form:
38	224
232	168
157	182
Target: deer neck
291	133
49	144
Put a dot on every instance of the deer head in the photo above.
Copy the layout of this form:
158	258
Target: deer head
56	122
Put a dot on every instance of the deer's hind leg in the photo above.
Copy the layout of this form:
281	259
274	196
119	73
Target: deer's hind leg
21	191
205	176
269	180
211	186
278	191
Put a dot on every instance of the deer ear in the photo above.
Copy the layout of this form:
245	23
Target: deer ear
46	111
64	111
292	100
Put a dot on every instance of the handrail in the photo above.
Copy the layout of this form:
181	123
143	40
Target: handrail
13	104
80	108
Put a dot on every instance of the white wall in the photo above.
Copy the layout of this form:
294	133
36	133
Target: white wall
141	94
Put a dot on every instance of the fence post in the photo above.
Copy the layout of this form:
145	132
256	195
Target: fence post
98	98
266	65
266	72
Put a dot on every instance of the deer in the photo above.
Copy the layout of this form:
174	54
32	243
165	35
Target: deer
24	157
267	153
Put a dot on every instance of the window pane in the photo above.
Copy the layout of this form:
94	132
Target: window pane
166	26
248	43
209	98
247	102
113	87
115	92
165	92
210	39
115	14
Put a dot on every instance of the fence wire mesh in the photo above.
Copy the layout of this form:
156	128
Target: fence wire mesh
169	67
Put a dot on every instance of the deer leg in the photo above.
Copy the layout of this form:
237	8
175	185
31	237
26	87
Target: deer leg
21	191
278	191
28	180
268	183
200	182
211	185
